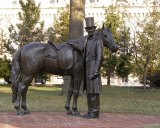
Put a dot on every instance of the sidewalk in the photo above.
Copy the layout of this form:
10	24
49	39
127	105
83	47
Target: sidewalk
61	120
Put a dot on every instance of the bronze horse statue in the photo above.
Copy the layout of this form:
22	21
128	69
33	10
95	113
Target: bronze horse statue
58	59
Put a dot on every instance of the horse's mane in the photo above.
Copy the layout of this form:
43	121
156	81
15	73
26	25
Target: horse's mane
80	43
97	33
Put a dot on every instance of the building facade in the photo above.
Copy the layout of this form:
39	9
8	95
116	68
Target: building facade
135	9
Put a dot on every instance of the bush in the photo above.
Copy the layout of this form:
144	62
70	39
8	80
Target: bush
154	79
5	69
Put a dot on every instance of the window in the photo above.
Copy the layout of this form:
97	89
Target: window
14	2
97	14
53	1
92	1
143	14
54	15
101	14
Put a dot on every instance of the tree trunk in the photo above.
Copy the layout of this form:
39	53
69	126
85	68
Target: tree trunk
66	82
33	82
76	27
108	80
77	12
144	78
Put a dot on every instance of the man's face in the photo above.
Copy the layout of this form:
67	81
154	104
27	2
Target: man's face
90	30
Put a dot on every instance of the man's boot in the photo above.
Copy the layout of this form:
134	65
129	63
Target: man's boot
93	105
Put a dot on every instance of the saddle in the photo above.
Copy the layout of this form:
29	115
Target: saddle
63	53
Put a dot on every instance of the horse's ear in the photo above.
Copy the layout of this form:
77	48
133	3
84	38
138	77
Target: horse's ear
110	25
103	26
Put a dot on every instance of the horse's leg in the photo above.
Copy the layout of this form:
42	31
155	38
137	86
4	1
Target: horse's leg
74	106
23	104
22	89
76	88
18	100
69	96
27	80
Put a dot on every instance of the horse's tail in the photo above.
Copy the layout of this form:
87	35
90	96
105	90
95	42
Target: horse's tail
15	74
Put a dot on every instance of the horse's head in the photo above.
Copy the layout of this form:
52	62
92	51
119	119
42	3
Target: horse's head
107	38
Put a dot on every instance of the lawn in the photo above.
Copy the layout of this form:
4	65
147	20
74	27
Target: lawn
113	99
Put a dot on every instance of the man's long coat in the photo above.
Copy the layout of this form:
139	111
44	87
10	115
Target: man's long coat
93	62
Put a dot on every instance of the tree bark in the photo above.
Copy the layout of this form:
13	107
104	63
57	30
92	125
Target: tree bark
33	82
108	79
77	12
76	28
144	78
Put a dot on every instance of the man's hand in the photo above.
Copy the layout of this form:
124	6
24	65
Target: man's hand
96	75
92	77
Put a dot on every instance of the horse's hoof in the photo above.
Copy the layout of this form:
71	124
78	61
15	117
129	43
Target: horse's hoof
69	112
20	113
76	113
27	112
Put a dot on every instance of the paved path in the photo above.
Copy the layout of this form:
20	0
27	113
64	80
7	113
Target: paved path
61	120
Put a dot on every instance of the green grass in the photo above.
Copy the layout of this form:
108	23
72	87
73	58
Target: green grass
131	100
113	99
152	126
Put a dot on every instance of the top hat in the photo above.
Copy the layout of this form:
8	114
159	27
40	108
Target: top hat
89	22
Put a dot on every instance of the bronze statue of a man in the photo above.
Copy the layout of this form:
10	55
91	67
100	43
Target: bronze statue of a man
93	62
